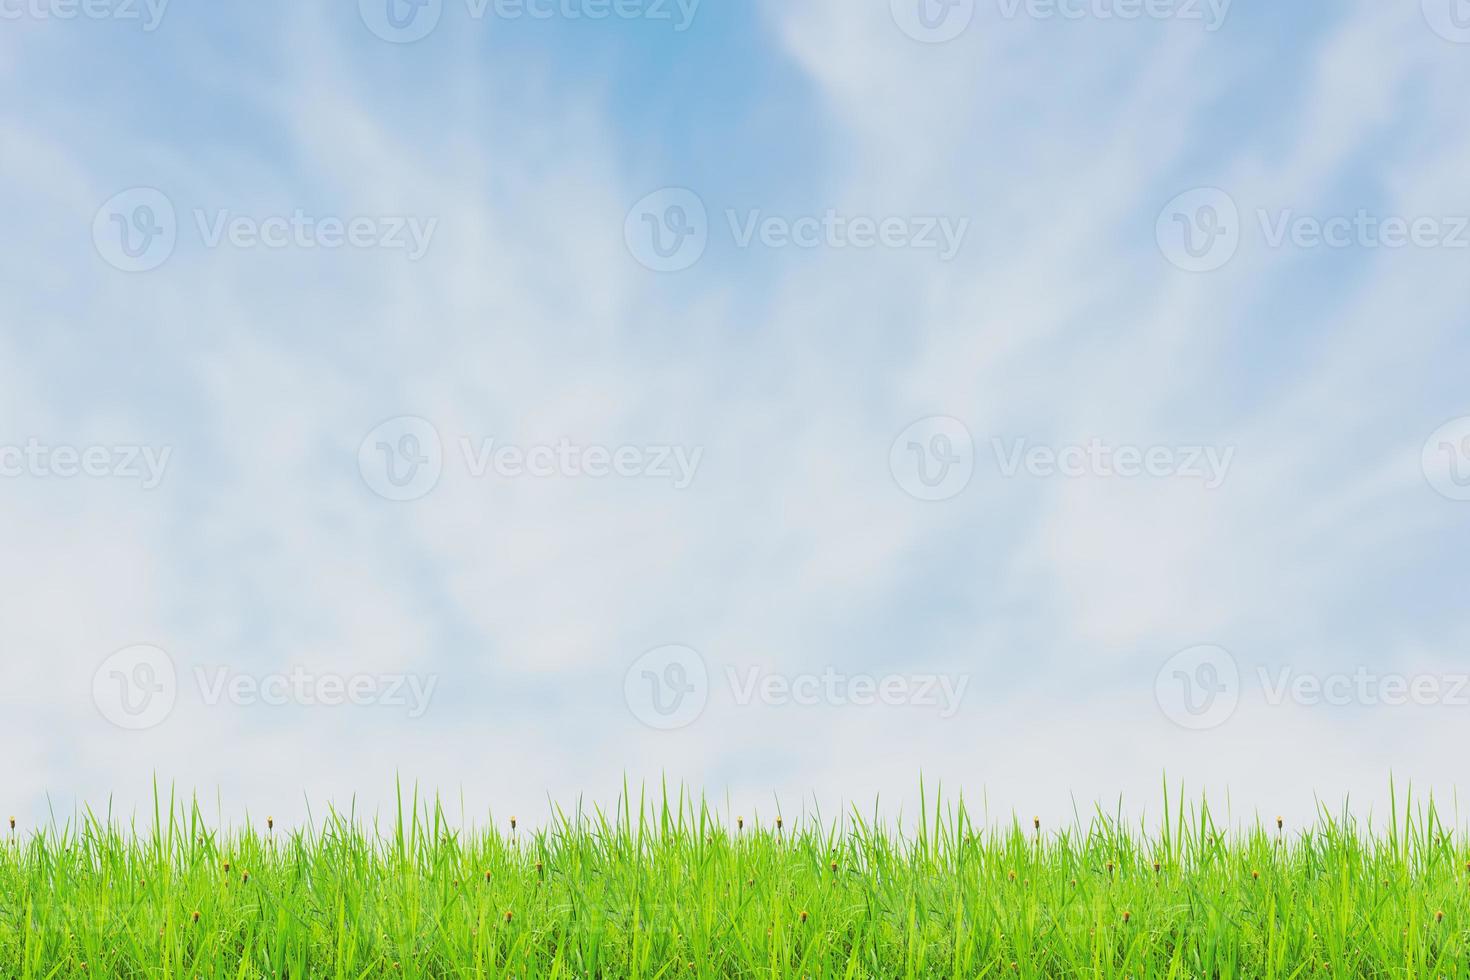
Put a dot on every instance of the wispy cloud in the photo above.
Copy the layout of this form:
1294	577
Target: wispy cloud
792	549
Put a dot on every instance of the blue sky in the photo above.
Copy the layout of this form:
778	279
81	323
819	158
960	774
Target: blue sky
803	389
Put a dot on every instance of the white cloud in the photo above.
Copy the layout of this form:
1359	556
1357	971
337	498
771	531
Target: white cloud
527	322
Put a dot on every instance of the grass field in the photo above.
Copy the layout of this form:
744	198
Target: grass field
674	888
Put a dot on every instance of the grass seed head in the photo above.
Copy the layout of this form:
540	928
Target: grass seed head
1126	916
1036	823
512	823
803	915
507	915
270	823
1439	915
1255	876
196	916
